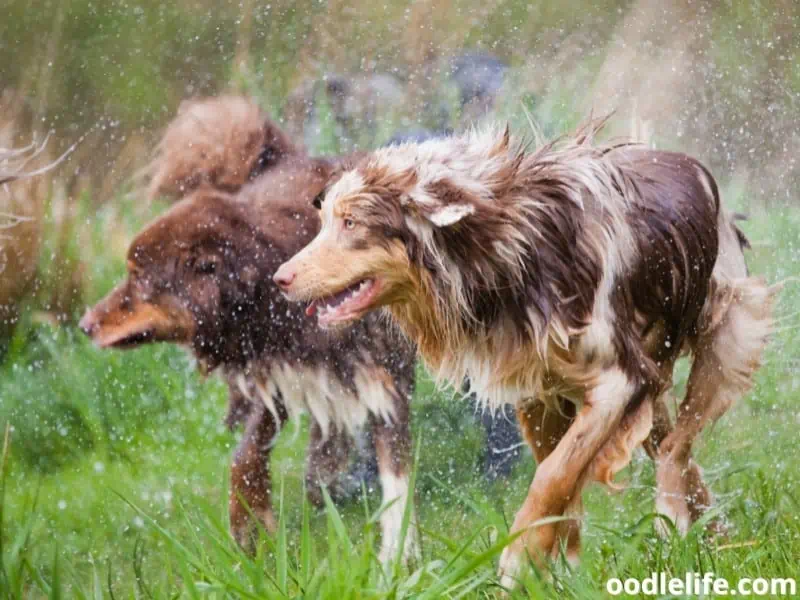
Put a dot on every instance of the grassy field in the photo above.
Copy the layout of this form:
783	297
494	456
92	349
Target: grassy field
114	475
114	483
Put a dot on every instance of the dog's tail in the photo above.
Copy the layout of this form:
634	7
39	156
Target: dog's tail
731	264
737	319
744	243
221	142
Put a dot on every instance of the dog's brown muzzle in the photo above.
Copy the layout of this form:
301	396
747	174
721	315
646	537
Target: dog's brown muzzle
122	321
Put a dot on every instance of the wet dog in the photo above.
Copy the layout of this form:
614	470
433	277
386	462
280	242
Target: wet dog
223	143
565	281
200	276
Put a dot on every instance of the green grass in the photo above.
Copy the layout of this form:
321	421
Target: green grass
114	480
115	483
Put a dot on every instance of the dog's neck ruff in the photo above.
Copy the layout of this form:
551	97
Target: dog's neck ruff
517	261
504	368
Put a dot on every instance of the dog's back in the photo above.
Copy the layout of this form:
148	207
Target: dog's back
688	245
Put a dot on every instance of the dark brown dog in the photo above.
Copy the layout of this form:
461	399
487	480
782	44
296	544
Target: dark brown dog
218	143
200	276
222	143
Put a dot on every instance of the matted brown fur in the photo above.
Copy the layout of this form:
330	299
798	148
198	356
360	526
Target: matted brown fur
222	142
201	276
217	143
576	272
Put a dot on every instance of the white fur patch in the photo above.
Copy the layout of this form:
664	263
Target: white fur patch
314	391
597	339
395	489
614	388
510	566
351	182
448	215
676	510
483	381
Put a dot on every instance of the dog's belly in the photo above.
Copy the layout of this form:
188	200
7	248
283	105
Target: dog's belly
318	392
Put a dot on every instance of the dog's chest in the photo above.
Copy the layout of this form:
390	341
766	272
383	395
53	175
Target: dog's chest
518	375
320	393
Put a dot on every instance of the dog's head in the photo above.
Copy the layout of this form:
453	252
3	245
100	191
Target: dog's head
221	142
200	275
384	223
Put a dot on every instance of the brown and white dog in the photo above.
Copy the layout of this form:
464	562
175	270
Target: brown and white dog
201	276
566	281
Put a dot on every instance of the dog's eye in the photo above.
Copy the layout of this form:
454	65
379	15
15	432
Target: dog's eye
349	223
317	201
206	267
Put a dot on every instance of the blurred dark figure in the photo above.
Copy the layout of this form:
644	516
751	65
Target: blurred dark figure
478	77
357	106
503	441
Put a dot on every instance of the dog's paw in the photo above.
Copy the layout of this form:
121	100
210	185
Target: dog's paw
246	531
672	506
511	561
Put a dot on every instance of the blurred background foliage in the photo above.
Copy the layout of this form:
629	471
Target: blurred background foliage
718	79
722	76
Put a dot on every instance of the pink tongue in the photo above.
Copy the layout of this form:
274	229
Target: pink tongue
311	309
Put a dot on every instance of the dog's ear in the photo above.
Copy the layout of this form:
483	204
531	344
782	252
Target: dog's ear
444	216
331	170
275	146
443	203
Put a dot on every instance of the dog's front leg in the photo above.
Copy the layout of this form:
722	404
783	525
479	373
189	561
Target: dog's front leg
558	479
393	450
250	478
543	427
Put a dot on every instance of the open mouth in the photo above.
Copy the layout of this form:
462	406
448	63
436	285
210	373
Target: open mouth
126	340
346	305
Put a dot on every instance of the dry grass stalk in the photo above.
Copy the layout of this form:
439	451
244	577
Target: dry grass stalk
15	162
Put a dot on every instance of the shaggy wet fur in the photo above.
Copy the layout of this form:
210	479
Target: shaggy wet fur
565	281
220	143
200	276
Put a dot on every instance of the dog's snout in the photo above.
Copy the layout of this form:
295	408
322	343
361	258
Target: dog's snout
284	277
88	323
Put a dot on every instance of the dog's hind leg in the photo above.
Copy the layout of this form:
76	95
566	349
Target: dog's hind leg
560	476
676	495
392	440
726	355
250	477
543	427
